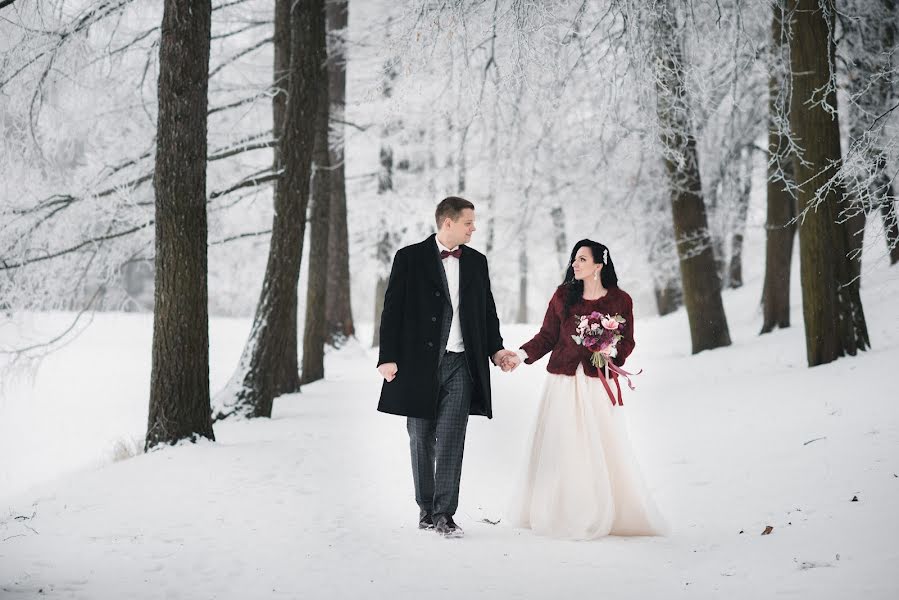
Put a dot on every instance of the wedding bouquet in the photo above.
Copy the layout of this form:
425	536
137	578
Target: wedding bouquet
600	334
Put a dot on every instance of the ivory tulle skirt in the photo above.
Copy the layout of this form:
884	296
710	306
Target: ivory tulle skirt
582	480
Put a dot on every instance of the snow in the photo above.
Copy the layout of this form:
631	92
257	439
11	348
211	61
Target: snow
317	502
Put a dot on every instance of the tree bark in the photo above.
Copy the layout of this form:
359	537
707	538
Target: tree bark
268	366
339	312
780	226
316	290
699	276
832	309
281	71
179	380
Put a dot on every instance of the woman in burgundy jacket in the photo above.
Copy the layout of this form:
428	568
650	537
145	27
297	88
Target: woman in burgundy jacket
582	480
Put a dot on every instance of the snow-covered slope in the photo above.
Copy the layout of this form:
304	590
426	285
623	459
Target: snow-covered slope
317	502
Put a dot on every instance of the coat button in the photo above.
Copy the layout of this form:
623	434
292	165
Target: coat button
433	319
437	293
430	344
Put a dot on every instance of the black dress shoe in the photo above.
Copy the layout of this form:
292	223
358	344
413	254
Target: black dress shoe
446	527
425	520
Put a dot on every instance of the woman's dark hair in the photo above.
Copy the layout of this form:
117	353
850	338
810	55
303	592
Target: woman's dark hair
608	277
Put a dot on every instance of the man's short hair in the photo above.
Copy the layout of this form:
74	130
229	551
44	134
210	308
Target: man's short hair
452	207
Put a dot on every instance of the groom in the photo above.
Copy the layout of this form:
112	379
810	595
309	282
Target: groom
438	328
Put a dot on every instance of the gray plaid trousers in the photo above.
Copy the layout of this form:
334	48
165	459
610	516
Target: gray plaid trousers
438	444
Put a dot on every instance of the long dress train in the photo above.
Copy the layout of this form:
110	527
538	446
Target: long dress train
582	480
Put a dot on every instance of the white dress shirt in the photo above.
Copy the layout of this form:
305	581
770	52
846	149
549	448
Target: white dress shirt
451	268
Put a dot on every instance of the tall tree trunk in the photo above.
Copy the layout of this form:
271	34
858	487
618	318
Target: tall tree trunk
281	72
339	312
832	309
179	380
268	366
780	227
699	276
735	272
316	290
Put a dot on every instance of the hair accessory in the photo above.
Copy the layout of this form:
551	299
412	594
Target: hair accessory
605	256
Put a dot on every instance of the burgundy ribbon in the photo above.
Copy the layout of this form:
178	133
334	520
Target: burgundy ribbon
619	372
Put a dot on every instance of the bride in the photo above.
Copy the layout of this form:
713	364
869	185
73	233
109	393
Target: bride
582	480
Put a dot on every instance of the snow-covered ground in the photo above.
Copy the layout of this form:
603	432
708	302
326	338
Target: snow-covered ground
317	502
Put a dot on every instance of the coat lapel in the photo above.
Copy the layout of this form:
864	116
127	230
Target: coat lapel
433	266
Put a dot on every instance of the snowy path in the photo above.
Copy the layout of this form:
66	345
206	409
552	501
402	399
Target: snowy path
316	503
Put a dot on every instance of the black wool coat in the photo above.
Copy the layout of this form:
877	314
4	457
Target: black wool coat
415	325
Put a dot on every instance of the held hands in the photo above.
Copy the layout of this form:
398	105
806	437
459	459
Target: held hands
387	371
507	360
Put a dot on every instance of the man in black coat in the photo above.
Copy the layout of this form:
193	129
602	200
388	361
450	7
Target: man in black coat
438	329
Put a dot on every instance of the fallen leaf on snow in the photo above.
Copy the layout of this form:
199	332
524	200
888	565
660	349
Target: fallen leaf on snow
768	530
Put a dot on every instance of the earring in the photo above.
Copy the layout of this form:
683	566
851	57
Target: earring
595	275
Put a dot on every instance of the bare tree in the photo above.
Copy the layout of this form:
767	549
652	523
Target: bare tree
834	319
339	312
179	382
268	366
701	285
868	40
314	330
780	228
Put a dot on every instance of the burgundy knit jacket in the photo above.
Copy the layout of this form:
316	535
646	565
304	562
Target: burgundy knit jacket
557	329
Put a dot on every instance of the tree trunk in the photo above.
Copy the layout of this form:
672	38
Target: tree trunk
662	258
339	312
522	314
314	330
281	71
701	284
179	380
890	220
834	319
780	227
735	271
268	366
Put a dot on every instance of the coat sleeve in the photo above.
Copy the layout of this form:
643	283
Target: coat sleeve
626	343
494	339
546	338
392	313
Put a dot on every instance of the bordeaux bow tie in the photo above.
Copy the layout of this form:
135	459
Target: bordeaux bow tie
454	253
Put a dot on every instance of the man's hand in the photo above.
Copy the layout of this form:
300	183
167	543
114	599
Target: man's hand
510	363
387	371
507	360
